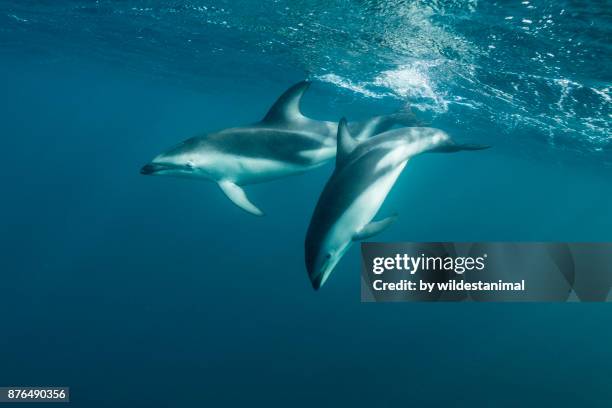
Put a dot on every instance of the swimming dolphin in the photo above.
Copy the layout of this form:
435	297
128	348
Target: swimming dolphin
365	173
285	142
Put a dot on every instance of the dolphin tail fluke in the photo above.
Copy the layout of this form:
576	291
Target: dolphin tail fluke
405	118
287	106
455	147
345	142
237	195
374	228
380	124
470	146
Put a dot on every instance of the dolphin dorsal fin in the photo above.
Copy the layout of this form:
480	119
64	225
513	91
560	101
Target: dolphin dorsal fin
346	143
287	106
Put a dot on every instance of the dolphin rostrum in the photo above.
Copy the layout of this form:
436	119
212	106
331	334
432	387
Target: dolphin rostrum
285	142
365	173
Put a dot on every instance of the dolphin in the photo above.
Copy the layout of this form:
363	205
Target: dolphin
284	143
364	174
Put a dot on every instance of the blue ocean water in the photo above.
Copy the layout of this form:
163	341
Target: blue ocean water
155	292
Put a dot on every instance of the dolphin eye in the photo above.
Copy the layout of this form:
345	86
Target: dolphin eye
328	256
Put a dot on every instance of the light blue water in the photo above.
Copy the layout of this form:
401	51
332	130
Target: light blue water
141	291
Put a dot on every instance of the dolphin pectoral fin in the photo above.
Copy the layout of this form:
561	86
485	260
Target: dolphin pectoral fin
287	106
238	197
374	228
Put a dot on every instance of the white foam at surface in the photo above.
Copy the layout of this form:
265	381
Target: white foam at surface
412	82
409	82
348	84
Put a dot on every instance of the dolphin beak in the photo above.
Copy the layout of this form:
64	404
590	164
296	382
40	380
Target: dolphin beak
321	276
148	169
153	168
316	281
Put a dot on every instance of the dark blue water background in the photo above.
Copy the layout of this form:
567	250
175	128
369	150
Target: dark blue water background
142	291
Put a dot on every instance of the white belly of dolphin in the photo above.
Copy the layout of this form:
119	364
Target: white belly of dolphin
364	208
250	170
258	170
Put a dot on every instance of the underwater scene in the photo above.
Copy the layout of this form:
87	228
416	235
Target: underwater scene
136	282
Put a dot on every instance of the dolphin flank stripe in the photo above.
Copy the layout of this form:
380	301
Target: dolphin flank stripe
268	144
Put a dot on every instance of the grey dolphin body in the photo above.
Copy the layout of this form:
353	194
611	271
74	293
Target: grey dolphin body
365	173
285	142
